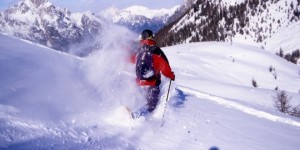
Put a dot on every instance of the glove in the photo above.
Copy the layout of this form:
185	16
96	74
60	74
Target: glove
172	76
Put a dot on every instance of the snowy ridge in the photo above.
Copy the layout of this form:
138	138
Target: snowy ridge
116	14
137	18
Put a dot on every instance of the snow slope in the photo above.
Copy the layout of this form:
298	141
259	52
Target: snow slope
52	100
285	38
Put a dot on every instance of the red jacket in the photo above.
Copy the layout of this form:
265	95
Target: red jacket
160	64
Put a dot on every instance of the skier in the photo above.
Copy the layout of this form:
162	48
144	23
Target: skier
159	64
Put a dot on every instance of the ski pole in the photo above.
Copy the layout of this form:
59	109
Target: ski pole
168	90
162	122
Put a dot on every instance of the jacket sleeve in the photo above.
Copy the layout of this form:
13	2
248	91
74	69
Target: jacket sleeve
161	65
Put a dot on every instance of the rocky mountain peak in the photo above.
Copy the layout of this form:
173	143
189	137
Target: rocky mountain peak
36	3
41	22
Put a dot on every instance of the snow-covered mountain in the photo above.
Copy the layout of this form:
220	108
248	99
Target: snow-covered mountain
137	18
265	22
53	100
41	22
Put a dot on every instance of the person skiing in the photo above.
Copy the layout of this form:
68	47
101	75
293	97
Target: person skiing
150	81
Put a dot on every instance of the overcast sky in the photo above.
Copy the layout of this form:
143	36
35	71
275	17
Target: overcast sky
98	5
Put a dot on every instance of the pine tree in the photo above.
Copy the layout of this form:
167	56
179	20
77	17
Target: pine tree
282	102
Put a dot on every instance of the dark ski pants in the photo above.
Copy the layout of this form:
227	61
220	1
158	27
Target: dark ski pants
152	97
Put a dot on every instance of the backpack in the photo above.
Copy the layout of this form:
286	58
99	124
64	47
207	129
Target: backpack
144	63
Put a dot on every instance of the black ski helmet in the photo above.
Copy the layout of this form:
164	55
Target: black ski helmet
147	34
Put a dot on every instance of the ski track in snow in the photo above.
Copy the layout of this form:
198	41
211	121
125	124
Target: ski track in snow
245	109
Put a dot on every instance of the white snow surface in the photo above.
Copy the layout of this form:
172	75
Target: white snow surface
53	100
